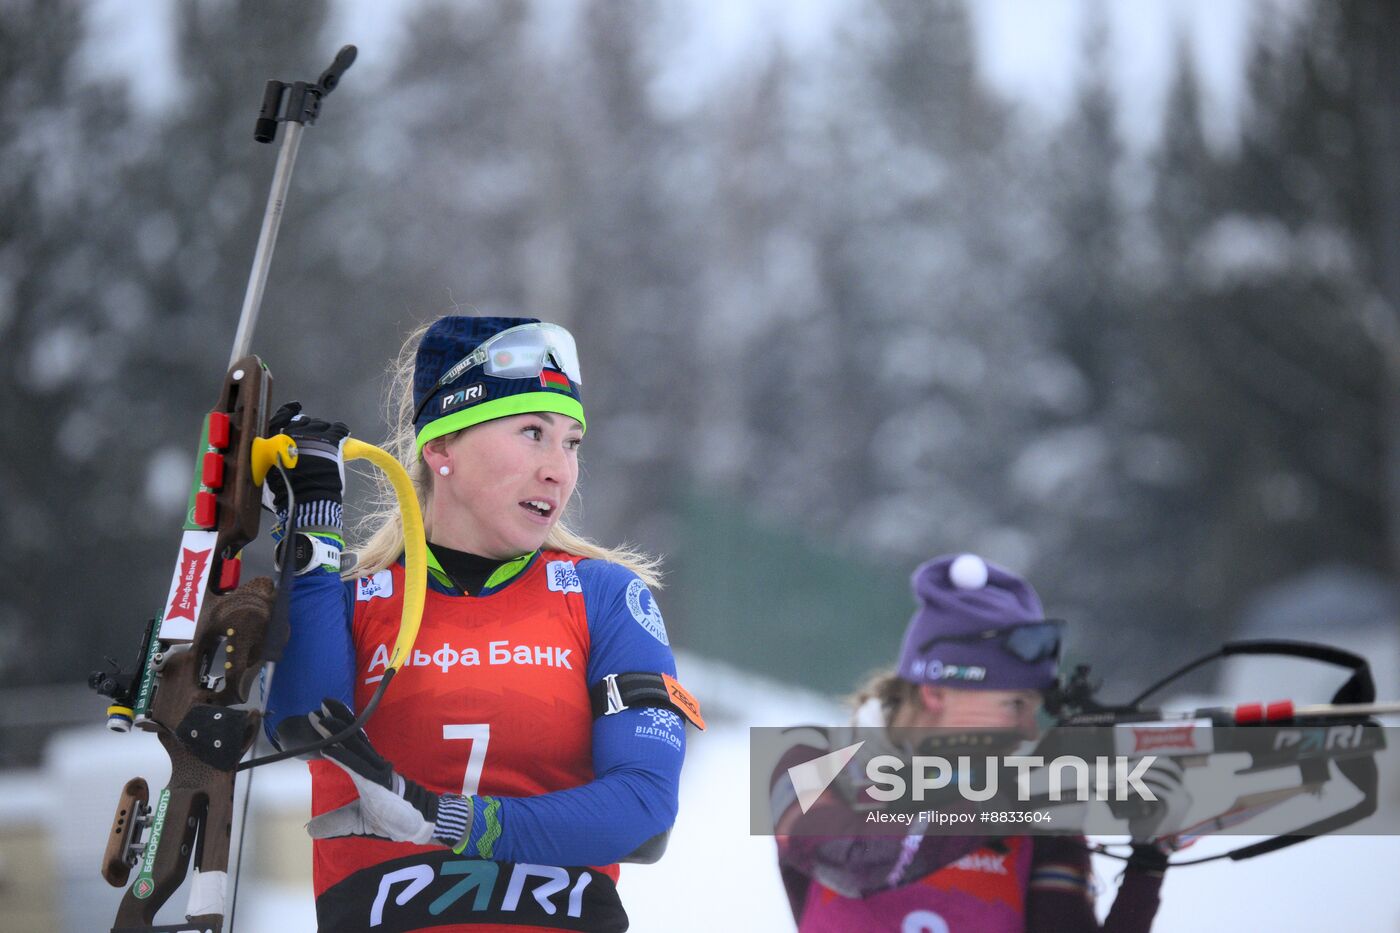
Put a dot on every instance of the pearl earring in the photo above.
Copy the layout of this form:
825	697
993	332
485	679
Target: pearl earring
444	469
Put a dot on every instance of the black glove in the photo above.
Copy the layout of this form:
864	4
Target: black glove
390	806
1148	857
318	479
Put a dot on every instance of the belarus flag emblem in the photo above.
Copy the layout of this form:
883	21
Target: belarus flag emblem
553	379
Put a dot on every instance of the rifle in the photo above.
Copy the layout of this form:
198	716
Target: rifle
216	640
1315	738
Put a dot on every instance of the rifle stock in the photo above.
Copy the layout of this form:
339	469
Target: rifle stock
201	658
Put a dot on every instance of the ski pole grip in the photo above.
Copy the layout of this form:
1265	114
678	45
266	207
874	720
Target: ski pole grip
414	544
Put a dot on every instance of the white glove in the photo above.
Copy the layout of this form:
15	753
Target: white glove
1165	816
390	806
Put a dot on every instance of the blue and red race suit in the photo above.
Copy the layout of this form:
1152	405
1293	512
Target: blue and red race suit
494	703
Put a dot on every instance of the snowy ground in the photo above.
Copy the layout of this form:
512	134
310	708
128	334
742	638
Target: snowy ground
715	876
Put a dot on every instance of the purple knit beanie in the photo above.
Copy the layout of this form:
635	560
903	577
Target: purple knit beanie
970	629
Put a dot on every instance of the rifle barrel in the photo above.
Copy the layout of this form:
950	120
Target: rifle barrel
267	241
1348	709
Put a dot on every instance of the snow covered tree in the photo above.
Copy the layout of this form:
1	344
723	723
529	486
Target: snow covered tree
1271	385
68	308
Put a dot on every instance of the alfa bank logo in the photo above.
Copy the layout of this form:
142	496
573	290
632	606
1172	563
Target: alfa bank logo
191	571
811	778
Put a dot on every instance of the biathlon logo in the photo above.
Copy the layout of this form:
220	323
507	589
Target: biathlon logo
186	599
472	394
665	726
380	586
661	718
644	609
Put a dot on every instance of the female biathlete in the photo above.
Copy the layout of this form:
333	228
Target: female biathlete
534	738
978	655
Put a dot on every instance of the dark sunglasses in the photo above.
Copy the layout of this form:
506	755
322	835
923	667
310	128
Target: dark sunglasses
1029	641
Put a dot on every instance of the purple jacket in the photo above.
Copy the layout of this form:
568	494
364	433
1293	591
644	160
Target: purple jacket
837	880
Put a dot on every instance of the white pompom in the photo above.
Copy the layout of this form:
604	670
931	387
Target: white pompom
968	572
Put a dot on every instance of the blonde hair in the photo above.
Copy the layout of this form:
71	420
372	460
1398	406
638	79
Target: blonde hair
383	523
898	697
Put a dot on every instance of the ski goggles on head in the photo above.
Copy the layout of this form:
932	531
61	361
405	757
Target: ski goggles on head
521	352
1028	642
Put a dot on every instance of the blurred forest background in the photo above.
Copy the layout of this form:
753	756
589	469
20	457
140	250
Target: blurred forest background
845	311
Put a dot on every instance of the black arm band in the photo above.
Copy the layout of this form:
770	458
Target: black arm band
617	692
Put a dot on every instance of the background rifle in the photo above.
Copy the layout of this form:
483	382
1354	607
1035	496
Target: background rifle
1341	734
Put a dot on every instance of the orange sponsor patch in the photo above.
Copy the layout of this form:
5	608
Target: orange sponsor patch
684	701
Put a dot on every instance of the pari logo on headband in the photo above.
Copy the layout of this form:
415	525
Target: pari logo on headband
505	366
937	670
476	392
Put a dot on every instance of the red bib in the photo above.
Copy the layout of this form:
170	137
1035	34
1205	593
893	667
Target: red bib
984	891
493	700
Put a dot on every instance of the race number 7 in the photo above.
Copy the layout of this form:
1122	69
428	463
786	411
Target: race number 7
480	735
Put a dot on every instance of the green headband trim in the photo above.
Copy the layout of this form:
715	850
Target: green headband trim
521	404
